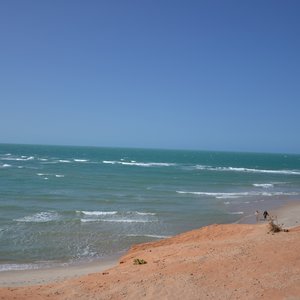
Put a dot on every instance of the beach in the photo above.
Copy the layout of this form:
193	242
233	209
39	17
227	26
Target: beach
224	261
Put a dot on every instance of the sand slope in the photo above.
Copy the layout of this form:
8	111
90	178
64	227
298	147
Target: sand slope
235	261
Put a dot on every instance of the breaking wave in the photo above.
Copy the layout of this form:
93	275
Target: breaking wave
237	195
138	164
247	170
264	185
97	213
116	217
40	217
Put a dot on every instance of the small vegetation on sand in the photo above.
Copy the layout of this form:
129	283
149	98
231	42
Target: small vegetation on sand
274	227
138	261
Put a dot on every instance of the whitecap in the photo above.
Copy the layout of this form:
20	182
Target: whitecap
247	170
22	158
264	185
85	220
109	162
89	220
145	213
59	176
238	194
138	164
6	166
125	221
81	160
97	213
40	217
150	164
64	161
236	213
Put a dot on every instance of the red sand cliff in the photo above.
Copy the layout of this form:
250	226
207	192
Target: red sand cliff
215	262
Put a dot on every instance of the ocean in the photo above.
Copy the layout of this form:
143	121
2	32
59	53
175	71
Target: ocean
64	205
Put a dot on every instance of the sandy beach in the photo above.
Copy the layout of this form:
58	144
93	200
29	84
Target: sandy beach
232	261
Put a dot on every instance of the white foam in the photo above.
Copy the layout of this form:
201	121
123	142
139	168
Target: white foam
125	221
5	166
247	170
22	158
150	235
237	194
89	220
145	213
217	195
59	176
42	174
81	160
17	267
138	164
150	164
114	220
40	217
109	162
236	213
264	185
97	213
64	161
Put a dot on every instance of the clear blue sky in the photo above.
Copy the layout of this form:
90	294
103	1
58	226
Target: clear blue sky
211	75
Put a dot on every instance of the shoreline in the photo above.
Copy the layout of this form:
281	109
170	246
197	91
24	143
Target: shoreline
28	277
287	215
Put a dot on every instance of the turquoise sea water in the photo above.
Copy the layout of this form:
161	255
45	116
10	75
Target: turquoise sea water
71	204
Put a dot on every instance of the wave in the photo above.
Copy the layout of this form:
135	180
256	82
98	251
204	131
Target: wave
115	220
64	161
247	170
46	174
97	213
150	235
264	185
145	213
116	217
81	160
138	164
238	194
18	267
22	158
236	213
126	221
5	166
40	217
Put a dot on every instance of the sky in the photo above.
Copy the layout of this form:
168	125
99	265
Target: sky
207	75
